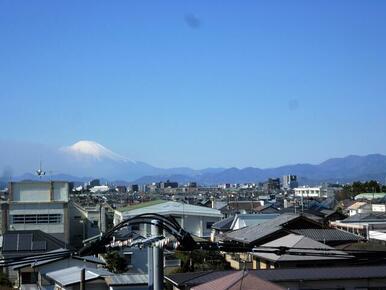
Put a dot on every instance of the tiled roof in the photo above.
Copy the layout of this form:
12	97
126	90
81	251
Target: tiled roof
283	275
366	217
324	273
302	249
236	281
328	235
256	232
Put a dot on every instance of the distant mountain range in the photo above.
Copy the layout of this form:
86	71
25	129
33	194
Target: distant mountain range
85	160
347	169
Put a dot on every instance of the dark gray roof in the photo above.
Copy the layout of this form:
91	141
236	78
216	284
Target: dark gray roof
301	249
196	278
282	275
253	233
224	224
325	273
366	217
328	235
26	242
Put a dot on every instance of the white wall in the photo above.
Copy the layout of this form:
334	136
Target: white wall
39	191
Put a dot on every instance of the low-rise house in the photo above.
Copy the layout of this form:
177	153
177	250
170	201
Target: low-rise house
302	252
70	278
19	244
370	196
362	223
87	221
197	220
33	275
313	278
329	236
238	280
237	222
259	234
97	279
356	208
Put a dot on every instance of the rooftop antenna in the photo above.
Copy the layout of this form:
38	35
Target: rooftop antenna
40	171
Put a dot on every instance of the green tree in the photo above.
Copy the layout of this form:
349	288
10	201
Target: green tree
115	263
201	260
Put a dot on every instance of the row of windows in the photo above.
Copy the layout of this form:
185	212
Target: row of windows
37	219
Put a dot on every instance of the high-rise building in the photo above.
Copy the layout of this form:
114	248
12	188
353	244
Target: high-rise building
290	181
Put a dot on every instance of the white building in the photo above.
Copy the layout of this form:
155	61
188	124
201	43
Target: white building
309	192
197	220
36	205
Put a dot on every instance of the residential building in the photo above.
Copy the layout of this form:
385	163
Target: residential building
87	221
309	192
272	186
312	278
303	252
197	220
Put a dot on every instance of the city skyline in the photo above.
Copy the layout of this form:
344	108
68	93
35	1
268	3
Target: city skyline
196	84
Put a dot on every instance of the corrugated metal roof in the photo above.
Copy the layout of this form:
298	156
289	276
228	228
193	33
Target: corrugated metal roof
71	275
126	279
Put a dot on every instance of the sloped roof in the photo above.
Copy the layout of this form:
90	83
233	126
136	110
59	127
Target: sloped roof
252	219
311	249
328	235
357	205
21	243
283	275
236	281
322	273
173	207
224	224
366	217
256	232
126	279
71	275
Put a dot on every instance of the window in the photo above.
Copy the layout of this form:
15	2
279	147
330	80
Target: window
209	225
94	224
37	219
135	227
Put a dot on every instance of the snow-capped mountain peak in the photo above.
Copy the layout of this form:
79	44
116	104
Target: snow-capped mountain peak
92	149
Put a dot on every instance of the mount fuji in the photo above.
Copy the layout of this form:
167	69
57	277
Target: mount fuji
83	158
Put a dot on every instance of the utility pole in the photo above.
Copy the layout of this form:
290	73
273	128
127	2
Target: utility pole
82	279
158	259
155	260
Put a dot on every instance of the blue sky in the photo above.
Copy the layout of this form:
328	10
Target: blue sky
197	83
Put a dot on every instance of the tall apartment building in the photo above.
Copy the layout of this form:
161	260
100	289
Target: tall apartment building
290	181
38	205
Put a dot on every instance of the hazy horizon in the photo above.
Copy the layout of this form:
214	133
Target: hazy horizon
197	84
